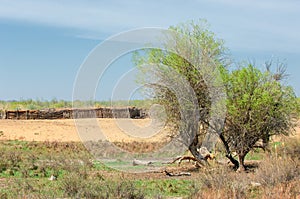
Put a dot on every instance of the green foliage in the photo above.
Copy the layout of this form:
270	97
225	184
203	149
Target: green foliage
27	167
258	106
146	103
191	51
168	187
31	104
34	159
298	109
58	104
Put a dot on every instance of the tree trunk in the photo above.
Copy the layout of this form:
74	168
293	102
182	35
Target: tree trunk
193	149
242	167
266	141
228	153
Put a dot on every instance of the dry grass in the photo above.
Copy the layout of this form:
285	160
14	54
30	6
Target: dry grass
273	171
277	176
140	147
283	190
223	182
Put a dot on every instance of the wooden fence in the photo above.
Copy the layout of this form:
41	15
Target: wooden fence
131	112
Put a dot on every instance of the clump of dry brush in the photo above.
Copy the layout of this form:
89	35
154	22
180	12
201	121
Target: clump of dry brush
276	176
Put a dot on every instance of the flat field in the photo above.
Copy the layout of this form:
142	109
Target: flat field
65	130
32	152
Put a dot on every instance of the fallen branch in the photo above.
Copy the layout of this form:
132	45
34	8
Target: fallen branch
198	163
177	174
141	162
180	159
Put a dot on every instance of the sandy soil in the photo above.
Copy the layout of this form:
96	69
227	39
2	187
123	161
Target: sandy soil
66	130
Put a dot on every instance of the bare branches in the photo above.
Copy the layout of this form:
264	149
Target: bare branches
280	72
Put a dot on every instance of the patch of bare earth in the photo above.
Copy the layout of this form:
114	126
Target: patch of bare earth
65	130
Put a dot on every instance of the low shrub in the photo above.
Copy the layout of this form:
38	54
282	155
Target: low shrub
76	185
273	171
223	182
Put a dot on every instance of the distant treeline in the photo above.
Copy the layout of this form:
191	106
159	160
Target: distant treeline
30	104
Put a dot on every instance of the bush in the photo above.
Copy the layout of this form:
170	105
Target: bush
276	170
290	147
285	190
223	182
76	185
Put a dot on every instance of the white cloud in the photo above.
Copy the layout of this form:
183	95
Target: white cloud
241	22
91	15
65	13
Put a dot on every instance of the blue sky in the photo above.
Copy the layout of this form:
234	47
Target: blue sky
44	42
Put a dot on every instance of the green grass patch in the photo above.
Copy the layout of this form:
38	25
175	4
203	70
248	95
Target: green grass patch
256	154
27	166
167	187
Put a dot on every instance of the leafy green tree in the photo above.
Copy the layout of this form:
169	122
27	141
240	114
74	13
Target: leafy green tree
192	52
259	106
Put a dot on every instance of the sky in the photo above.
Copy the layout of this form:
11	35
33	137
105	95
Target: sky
43	43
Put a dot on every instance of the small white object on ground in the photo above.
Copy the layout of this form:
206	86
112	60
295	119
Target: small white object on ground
52	177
